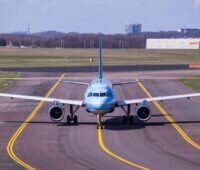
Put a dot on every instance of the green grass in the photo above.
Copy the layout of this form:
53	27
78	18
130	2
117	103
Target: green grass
4	84
193	83
27	57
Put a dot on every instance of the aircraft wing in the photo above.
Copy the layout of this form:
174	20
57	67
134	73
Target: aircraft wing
162	98
46	99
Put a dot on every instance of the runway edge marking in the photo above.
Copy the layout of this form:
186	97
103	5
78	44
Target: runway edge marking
169	118
101	143
22	127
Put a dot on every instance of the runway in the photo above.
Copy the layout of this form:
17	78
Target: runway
107	68
155	144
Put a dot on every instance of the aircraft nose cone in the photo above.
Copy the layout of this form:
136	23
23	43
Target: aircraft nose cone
98	106
102	105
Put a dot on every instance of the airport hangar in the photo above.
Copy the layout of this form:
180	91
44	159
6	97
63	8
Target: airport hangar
179	43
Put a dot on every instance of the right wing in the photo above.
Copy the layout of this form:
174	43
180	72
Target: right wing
151	99
46	99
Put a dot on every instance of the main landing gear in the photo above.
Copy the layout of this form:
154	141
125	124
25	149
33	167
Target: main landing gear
99	125
72	117
127	118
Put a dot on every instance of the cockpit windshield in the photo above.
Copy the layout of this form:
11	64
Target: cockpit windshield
102	94
96	94
99	94
90	94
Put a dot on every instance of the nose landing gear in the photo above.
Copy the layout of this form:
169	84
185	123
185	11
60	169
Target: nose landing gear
99	125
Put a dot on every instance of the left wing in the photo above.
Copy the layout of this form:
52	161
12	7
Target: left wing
46	99
135	101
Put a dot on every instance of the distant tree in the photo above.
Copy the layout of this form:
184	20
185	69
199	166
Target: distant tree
2	42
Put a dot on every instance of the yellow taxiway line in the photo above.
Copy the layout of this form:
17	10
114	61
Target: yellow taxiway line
22	127
101	143
169	118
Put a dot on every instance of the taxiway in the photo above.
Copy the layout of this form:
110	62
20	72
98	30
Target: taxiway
155	144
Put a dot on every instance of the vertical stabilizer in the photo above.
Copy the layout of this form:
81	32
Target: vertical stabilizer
100	60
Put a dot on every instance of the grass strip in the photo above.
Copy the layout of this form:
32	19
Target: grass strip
41	57
4	84
193	83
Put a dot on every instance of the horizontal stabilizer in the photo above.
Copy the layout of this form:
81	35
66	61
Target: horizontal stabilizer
127	82
74	82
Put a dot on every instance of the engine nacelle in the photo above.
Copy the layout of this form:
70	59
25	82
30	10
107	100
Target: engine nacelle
143	111
56	112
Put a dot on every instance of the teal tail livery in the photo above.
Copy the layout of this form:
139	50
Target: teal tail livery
99	99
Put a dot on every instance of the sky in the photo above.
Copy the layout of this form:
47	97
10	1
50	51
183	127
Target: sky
95	16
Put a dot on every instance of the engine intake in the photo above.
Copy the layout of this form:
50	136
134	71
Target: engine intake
56	112
143	111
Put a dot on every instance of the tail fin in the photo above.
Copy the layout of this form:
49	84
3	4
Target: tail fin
100	60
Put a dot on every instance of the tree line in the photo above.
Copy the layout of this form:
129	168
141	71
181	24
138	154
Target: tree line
2	42
54	39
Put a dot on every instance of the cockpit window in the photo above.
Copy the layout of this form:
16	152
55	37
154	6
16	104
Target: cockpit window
96	94
102	94
109	95
90	94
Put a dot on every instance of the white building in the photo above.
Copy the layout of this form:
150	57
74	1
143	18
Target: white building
182	43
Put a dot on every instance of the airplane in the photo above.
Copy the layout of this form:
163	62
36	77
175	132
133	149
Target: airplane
99	99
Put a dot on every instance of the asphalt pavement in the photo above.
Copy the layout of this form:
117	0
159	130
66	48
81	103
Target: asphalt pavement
47	145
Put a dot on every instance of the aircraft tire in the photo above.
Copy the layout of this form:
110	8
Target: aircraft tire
68	119
75	119
124	119
131	119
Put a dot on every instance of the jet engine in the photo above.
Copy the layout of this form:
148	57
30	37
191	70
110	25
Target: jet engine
143	111
56	112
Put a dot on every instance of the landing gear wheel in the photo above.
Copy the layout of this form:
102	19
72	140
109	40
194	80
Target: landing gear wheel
68	119
100	127
131	120
75	120
124	119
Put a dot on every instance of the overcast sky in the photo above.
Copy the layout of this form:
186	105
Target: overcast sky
106	16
